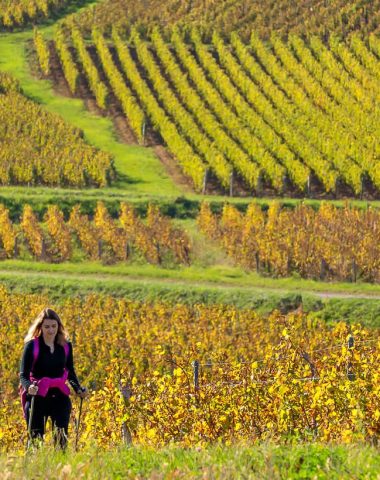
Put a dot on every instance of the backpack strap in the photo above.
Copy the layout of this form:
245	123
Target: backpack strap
66	348
36	351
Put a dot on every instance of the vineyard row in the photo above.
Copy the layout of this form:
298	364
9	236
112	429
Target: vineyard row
341	17
107	239
17	13
39	148
331	244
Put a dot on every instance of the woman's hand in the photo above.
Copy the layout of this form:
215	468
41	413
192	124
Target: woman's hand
82	392
33	389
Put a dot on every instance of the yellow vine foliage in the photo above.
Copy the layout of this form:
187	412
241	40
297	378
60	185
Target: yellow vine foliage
42	50
110	232
33	232
17	13
157	239
332	243
279	378
242	16
202	107
8	235
87	233
59	232
166	235
39	148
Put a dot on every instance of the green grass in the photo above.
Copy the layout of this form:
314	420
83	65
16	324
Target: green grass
60	286
262	461
222	275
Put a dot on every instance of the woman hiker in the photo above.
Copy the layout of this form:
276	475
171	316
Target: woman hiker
46	364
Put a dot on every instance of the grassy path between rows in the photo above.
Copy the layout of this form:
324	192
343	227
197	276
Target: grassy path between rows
190	286
221	276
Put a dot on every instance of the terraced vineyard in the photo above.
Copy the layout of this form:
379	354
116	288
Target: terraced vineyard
296	117
37	147
200	323
330	244
17	13
283	16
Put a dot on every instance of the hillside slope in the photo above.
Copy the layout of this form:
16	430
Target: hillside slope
283	16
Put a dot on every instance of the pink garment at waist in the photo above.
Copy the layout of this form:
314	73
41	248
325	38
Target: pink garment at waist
45	383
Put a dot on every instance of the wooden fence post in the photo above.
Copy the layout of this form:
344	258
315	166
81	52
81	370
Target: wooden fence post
196	375
350	345
314	372
232	184
126	434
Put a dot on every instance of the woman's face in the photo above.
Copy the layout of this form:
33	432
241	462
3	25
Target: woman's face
49	329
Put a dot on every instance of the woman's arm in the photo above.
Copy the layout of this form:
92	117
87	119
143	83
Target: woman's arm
26	365
73	379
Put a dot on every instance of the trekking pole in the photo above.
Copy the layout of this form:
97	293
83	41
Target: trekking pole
31	412
78	422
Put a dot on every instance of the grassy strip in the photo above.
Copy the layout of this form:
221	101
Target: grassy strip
265	461
59	286
199	274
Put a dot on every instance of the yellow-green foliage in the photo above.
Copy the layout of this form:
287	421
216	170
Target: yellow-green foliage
191	162
131	107
299	115
42	50
98	88
158	240
283	16
68	65
38	147
16	13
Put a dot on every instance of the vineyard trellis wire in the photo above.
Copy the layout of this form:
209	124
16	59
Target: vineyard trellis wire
197	365
127	392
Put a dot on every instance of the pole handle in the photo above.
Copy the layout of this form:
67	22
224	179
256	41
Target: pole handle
31	412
